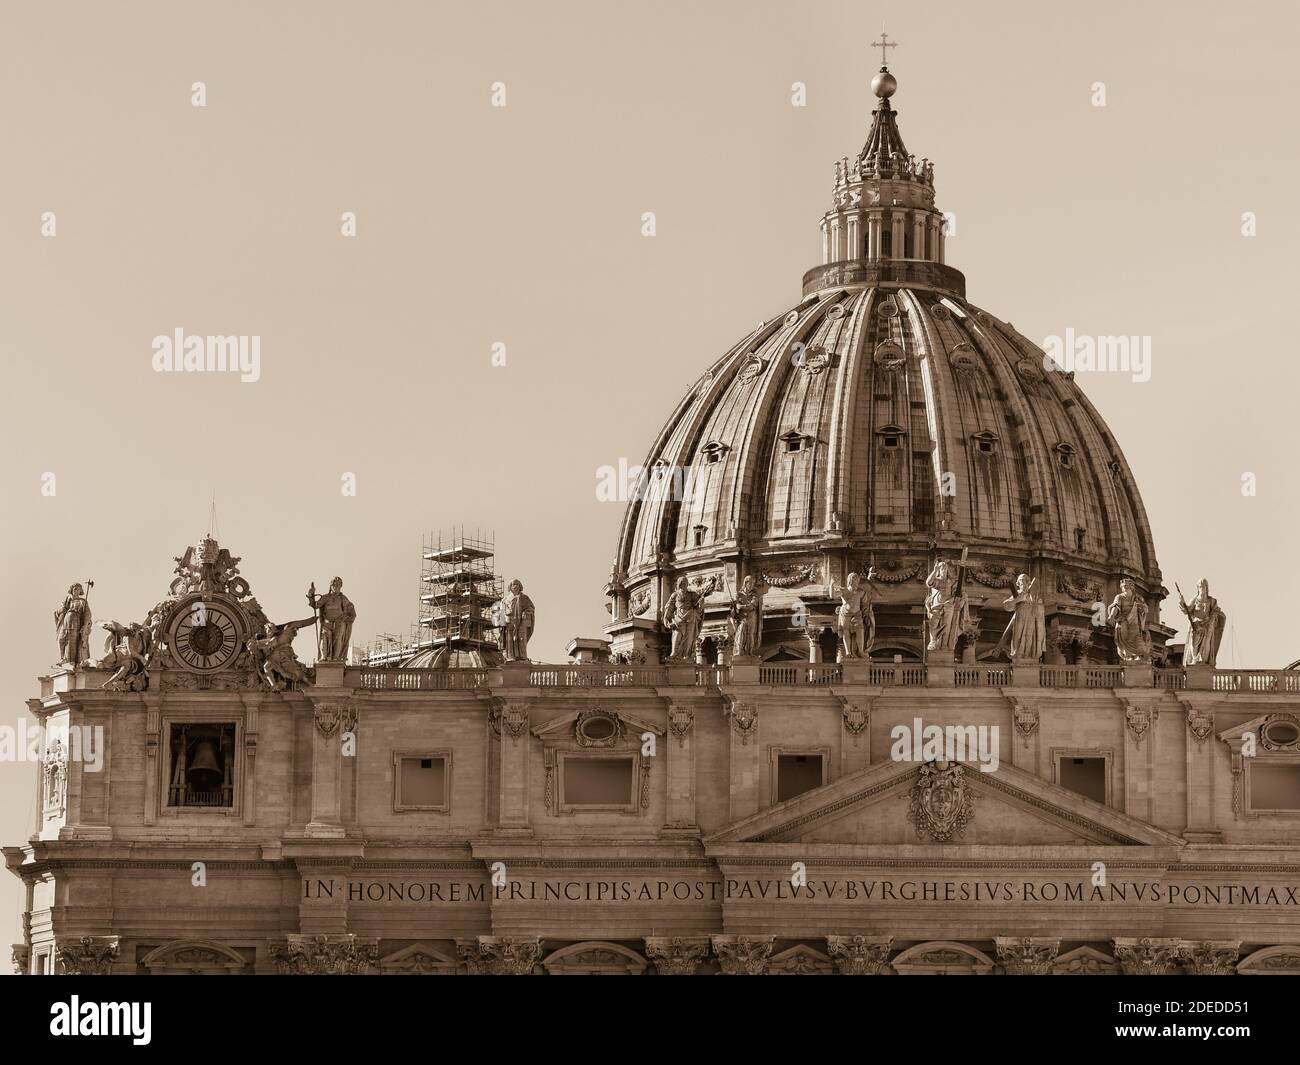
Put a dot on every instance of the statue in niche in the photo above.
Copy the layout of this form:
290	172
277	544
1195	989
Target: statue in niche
945	606
746	618
126	652
855	619
683	614
336	614
1205	621
518	619
1026	632
72	624
1128	614
273	656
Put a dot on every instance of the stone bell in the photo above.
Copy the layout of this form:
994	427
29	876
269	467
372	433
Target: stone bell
205	772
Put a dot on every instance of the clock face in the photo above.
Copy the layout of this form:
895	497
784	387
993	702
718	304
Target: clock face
205	637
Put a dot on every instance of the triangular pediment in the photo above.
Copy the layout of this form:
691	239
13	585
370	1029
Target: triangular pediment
879	805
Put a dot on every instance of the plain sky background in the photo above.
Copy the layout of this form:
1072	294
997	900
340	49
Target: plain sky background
522	225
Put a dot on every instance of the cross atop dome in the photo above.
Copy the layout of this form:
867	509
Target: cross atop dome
882	44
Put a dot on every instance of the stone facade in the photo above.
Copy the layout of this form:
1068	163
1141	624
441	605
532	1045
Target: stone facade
314	867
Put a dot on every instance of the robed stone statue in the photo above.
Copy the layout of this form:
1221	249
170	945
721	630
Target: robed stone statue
747	619
72	625
945	607
1128	614
336	614
518	619
1026	632
1205	622
683	614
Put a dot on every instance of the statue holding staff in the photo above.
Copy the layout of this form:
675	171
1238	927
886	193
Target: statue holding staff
1026	632
336	614
72	625
945	606
683	614
1205	622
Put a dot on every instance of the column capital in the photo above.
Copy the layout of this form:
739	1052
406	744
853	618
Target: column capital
500	955
677	955
1209	957
85	955
341	954
1026	955
743	955
859	955
1146	957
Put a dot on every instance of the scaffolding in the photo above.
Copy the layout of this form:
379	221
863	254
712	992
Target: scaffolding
459	593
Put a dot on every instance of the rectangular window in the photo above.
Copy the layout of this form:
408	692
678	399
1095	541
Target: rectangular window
202	765
422	780
1087	776
797	773
1274	787
598	781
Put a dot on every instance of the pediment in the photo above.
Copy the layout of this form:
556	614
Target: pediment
419	959
575	728
879	805
1085	961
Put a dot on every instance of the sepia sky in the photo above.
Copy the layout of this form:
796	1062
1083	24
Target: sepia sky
521	225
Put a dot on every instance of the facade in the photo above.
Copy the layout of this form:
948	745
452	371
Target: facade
885	691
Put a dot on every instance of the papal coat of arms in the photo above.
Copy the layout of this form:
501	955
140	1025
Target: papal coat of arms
942	804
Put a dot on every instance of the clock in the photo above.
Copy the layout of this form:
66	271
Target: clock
205	636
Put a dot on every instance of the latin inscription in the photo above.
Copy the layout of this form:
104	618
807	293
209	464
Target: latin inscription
1015	892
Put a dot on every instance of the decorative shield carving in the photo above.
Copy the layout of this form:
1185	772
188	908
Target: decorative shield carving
1026	718
941	802
680	720
744	720
331	716
1139	719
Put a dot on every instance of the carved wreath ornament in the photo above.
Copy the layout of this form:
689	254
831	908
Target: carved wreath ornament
941	803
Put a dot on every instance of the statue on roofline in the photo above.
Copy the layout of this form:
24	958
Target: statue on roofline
683	614
1026	633
336	614
126	652
72	625
855	620
746	618
518	619
273	656
1205	622
1128	614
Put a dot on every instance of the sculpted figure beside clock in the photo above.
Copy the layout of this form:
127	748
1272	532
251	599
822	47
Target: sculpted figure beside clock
273	657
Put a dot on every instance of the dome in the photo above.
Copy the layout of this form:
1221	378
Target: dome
883	419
